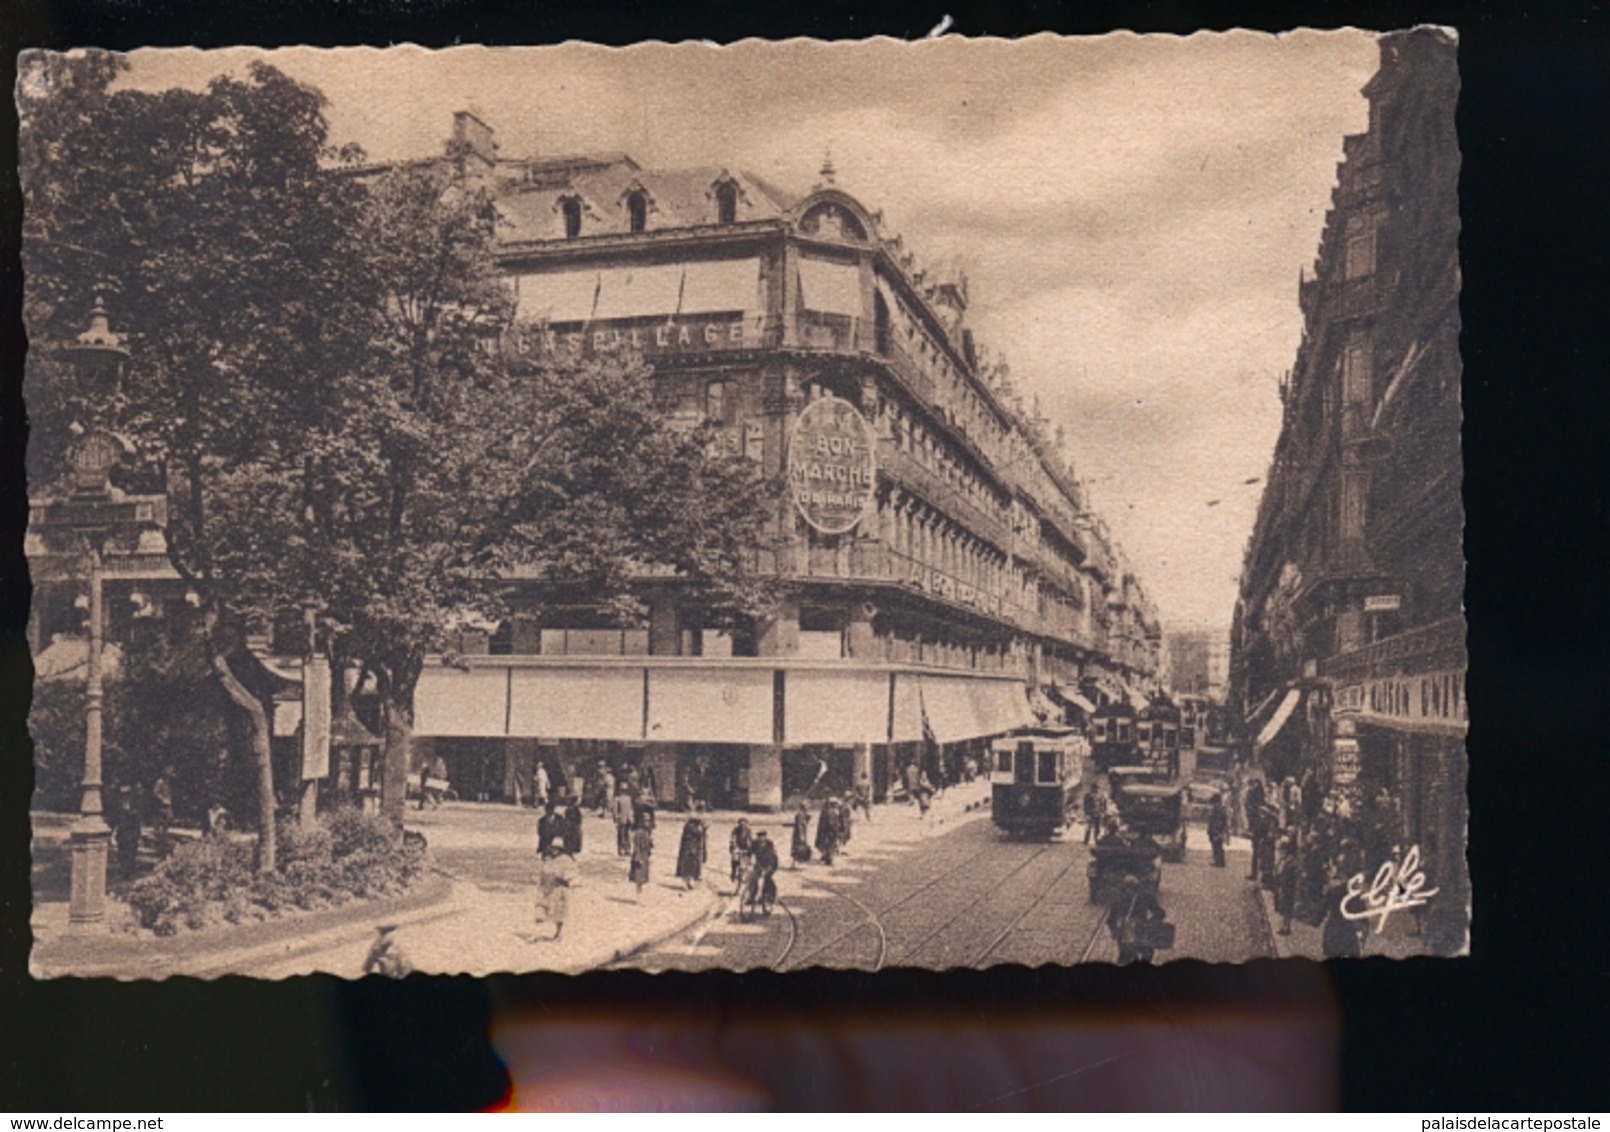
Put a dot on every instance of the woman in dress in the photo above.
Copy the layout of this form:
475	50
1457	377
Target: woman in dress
691	854
800	850
642	852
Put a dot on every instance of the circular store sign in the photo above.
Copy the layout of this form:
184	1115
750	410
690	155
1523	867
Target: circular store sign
831	467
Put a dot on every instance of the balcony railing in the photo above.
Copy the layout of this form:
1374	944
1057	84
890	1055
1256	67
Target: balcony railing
1440	644
870	561
904	469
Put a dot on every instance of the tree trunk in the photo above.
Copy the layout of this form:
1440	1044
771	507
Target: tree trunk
399	724
257	729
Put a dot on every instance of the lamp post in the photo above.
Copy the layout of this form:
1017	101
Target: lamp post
90	514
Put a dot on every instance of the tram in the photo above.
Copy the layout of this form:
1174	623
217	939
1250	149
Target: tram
1034	780
1112	735
1157	737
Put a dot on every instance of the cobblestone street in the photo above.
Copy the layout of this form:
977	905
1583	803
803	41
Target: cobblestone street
969	897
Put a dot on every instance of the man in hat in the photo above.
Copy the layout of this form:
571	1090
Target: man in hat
739	846
625	812
764	869
1218	829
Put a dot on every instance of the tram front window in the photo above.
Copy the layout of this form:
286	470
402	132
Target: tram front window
1046	769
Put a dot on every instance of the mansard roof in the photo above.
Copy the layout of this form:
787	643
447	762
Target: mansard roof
682	198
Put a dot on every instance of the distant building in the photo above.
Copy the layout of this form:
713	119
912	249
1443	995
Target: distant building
1348	647
1197	661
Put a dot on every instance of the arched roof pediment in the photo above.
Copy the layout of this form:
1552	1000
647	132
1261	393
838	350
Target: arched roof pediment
821	198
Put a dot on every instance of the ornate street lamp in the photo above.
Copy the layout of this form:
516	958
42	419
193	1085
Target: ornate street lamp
84	520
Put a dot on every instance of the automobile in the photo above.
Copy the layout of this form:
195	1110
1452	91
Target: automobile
1152	805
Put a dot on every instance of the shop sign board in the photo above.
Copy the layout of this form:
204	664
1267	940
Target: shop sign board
1344	761
649	337
1422	701
1383	603
832	470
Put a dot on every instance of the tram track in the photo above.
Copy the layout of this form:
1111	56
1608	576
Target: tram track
991	891
1000	936
874	920
1095	937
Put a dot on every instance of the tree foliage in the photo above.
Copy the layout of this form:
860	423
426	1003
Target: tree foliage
314	380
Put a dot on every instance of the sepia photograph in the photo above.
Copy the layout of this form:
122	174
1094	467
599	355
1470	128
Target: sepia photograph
788	505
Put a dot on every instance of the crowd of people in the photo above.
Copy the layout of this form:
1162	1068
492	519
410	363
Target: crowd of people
1305	848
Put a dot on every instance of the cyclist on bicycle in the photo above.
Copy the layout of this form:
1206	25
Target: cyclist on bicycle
761	889
739	845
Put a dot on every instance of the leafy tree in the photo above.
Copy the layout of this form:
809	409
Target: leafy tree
212	219
440	473
315	383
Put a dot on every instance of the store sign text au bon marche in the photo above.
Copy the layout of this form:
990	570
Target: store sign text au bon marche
832	471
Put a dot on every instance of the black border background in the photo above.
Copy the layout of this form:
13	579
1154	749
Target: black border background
1521	1024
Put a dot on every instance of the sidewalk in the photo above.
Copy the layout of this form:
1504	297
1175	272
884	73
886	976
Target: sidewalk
1398	941
477	914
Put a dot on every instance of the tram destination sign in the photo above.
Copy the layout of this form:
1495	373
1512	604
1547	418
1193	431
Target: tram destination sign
831	467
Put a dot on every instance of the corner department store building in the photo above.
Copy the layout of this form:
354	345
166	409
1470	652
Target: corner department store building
938	560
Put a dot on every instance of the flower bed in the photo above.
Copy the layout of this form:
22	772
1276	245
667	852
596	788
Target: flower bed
347	856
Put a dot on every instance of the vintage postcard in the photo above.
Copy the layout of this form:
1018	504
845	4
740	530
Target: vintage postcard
862	505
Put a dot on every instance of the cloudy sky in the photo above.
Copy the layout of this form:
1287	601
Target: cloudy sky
1132	212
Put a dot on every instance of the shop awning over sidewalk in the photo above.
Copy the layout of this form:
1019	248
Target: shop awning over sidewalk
742	704
1277	721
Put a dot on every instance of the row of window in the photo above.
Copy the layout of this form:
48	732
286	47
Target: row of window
637	204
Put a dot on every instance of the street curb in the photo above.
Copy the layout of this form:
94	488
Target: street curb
164	958
1281	943
715	903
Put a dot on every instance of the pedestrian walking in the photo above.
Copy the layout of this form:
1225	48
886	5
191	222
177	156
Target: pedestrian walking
550	832
606	789
1285	882
1218	829
1265	837
127	821
162	815
800	850
539	784
555	870
863	794
642	854
386	955
1310	905
625	813
846	812
913	777
1237	823
1252	804
1129	920
739	845
690	855
216	822
1095	808
1339	936
827	831
573	826
925	794
651	785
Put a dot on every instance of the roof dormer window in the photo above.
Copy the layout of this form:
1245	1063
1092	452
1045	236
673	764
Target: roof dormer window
636	210
571	208
726	203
